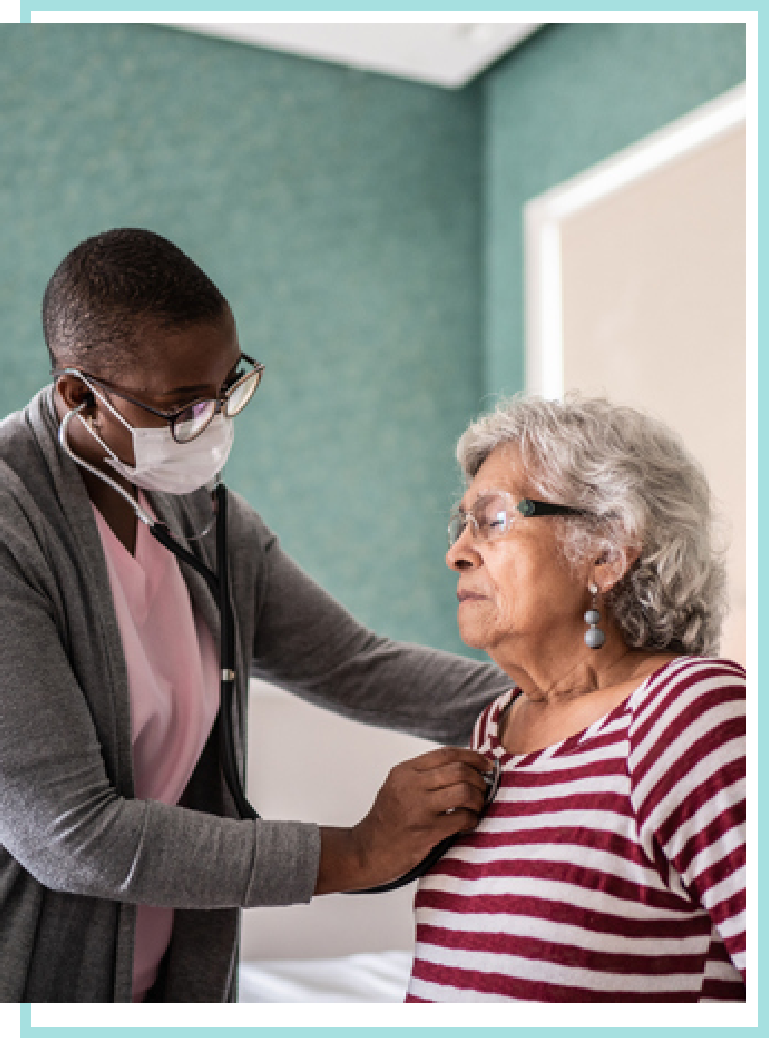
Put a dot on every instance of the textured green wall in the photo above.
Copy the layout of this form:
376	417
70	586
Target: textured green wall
340	214
569	97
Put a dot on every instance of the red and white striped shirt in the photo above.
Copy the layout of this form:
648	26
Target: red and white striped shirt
610	867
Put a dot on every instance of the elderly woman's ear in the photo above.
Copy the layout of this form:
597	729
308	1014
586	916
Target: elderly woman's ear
612	565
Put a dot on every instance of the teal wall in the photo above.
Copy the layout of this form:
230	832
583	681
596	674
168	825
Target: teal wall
339	212
366	230
569	97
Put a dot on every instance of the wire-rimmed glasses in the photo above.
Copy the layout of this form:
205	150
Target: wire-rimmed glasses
190	421
494	512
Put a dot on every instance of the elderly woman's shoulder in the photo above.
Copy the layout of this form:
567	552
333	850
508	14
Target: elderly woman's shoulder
703	666
687	741
690	691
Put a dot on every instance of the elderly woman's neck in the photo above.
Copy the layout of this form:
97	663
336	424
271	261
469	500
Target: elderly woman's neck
586	676
560	677
549	713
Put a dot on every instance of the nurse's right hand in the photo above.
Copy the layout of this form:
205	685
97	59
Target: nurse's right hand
423	801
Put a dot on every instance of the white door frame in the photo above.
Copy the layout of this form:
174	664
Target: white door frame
544	214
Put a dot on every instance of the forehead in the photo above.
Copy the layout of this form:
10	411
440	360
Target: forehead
198	356
502	470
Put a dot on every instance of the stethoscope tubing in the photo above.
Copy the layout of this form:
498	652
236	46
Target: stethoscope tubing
219	584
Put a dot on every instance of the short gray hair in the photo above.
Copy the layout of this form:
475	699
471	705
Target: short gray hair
641	488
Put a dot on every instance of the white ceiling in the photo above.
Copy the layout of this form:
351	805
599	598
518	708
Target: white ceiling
447	54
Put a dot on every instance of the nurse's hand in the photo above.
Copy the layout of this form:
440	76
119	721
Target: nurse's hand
423	800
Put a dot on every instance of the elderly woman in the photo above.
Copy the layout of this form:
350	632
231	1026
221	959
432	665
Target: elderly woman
611	865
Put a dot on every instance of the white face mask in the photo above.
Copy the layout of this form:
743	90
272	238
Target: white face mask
163	464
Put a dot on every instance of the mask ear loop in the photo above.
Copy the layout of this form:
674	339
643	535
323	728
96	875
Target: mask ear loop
140	513
104	400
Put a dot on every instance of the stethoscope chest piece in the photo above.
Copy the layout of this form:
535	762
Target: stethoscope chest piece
492	780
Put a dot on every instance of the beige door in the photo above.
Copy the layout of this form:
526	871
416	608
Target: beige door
652	312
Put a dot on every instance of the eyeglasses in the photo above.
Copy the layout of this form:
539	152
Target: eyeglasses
494	513
190	421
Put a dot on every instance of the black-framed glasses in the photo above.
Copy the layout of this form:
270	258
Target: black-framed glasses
190	421
494	512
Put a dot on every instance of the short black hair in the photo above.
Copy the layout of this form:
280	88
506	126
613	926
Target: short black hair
115	285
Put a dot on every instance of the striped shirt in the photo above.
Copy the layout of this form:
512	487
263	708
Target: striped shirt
610	867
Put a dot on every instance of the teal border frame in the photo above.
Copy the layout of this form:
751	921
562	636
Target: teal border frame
26	7
761	657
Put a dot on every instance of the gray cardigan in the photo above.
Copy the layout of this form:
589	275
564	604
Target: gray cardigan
78	851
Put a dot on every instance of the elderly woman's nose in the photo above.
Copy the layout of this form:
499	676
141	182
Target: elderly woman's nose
462	553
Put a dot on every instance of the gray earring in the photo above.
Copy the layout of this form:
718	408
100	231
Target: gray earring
594	636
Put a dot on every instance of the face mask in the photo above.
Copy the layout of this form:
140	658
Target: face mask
163	464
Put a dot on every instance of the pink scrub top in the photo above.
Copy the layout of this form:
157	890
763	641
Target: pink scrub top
173	678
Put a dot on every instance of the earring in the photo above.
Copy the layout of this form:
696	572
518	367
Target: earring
594	636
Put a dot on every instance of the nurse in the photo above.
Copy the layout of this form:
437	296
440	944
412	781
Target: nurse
123	861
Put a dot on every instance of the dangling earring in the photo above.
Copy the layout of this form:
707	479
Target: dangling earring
594	636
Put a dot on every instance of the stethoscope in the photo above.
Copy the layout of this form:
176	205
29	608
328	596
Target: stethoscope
219	585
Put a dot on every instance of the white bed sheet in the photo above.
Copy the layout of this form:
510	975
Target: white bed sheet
373	977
